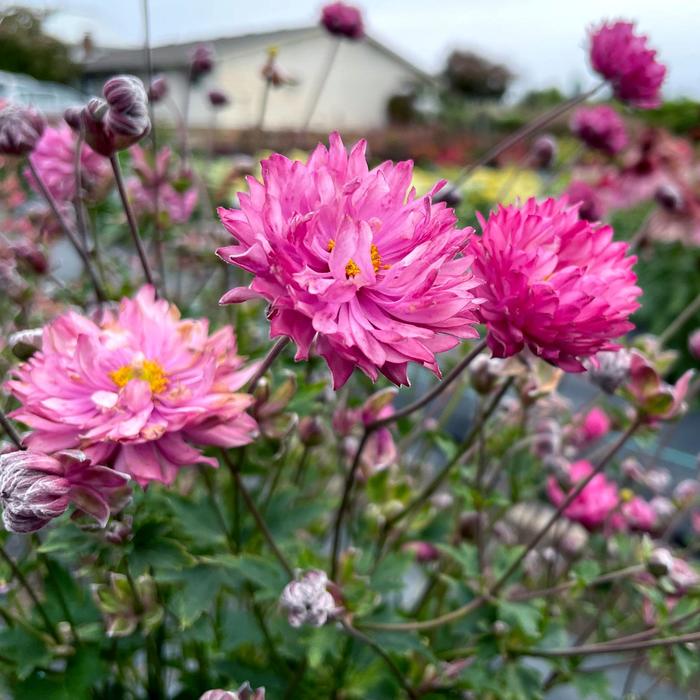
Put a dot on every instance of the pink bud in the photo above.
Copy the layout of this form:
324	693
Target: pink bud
158	89
343	20
217	98
424	551
202	61
694	344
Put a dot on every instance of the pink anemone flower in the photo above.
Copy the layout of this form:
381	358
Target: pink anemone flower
623	58
135	390
353	259
54	160
553	282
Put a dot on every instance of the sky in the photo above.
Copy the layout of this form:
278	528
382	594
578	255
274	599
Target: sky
542	41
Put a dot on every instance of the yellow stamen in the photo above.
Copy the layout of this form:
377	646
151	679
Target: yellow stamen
352	268
149	371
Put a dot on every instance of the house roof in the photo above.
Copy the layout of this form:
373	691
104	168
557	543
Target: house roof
175	56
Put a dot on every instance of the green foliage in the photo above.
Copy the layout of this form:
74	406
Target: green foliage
26	48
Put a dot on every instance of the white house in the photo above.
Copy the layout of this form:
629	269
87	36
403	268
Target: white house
364	75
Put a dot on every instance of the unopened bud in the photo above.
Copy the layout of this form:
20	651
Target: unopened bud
544	151
217	98
20	129
25	343
660	563
670	198
202	62
310	431
158	89
307	600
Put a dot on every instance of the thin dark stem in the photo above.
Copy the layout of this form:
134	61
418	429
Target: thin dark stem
30	592
271	356
131	219
250	504
398	674
522	133
321	84
217	509
345	500
61	598
610	647
68	231
11	431
434	392
79	210
299	473
680	320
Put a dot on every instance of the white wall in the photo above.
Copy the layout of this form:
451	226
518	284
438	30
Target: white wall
361	80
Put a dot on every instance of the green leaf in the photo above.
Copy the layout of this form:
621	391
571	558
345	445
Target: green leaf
522	616
585	571
592	684
266	575
198	589
26	650
153	548
465	555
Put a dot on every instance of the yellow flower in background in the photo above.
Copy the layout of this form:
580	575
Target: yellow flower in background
491	185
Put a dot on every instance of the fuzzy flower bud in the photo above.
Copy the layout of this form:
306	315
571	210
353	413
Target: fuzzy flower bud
686	491
670	198
694	344
450	195
344	20
119	120
660	562
484	372
20	129
35	488
202	62
25	343
218	98
307	600
245	692
158	89
310	431
72	117
608	369
543	152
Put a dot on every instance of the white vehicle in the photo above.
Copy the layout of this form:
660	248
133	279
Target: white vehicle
51	98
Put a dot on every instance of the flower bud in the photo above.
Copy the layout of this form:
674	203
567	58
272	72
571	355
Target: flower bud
343	20
307	600
202	62
670	198
663	508
686	491
32	490
158	89
694	344
119	120
608	369
20	129
484	373
127	118
217	98
245	692
424	551
72	117
500	628
544	151
25	343
660	562
310	431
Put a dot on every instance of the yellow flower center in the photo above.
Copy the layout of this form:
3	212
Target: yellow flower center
148	371
352	268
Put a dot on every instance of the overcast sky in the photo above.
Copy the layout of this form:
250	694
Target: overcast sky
541	40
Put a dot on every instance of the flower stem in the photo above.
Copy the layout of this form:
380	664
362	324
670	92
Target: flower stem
30	592
680	320
68	231
11	431
321	84
522	133
434	392
250	504
114	160
263	104
398	674
609	647
271	356
345	500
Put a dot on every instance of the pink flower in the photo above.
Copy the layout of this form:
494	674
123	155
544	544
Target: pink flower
135	390
622	58
596	424
639	515
351	258
595	505
156	189
35	488
600	128
553	283
54	159
343	20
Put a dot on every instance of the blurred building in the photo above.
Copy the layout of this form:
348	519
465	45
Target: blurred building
365	74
